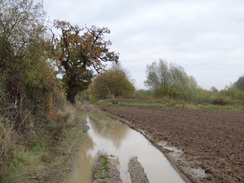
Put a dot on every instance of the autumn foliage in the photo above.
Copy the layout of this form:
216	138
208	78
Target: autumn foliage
79	52
27	77
112	83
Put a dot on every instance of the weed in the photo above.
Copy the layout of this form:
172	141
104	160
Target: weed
105	163
17	168
85	129
37	147
105	176
103	167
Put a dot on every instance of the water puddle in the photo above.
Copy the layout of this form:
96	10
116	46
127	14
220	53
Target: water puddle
122	142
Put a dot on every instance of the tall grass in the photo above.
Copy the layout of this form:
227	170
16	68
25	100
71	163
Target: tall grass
27	154
7	146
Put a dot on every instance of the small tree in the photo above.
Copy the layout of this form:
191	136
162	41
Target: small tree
112	83
79	52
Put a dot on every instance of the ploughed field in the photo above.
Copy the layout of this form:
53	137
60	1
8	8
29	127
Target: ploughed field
212	142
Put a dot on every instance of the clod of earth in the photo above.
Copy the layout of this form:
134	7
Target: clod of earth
136	171
105	171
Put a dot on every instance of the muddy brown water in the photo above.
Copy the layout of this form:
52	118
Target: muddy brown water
122	143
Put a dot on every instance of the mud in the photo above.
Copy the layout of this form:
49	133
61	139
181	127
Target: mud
207	146
136	171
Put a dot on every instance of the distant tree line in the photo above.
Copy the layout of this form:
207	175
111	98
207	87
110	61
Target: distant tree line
164	81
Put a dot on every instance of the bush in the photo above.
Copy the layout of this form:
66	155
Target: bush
221	100
164	91
239	95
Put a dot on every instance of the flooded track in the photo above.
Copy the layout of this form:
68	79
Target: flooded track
120	141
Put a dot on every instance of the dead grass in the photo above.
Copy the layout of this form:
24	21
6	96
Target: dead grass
6	146
40	155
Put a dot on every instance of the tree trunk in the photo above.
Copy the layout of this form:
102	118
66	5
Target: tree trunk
71	97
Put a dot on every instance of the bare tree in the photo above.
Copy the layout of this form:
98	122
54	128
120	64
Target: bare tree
157	74
20	21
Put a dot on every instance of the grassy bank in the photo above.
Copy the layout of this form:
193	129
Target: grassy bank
45	153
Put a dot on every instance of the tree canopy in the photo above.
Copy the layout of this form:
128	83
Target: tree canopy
27	78
23	52
80	52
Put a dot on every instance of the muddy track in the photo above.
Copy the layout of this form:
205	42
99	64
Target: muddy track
106	170
211	141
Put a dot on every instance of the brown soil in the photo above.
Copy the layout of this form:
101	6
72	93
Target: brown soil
207	146
136	171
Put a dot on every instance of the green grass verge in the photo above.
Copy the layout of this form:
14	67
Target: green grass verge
171	104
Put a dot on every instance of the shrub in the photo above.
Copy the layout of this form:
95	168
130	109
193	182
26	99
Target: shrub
219	101
239	95
164	91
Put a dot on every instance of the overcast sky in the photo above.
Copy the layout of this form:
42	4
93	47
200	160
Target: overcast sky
205	37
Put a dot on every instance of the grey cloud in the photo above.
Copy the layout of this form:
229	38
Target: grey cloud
205	37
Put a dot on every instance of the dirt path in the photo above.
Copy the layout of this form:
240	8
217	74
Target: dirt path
207	146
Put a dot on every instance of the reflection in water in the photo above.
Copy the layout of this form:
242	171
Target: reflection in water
122	142
114	133
84	161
